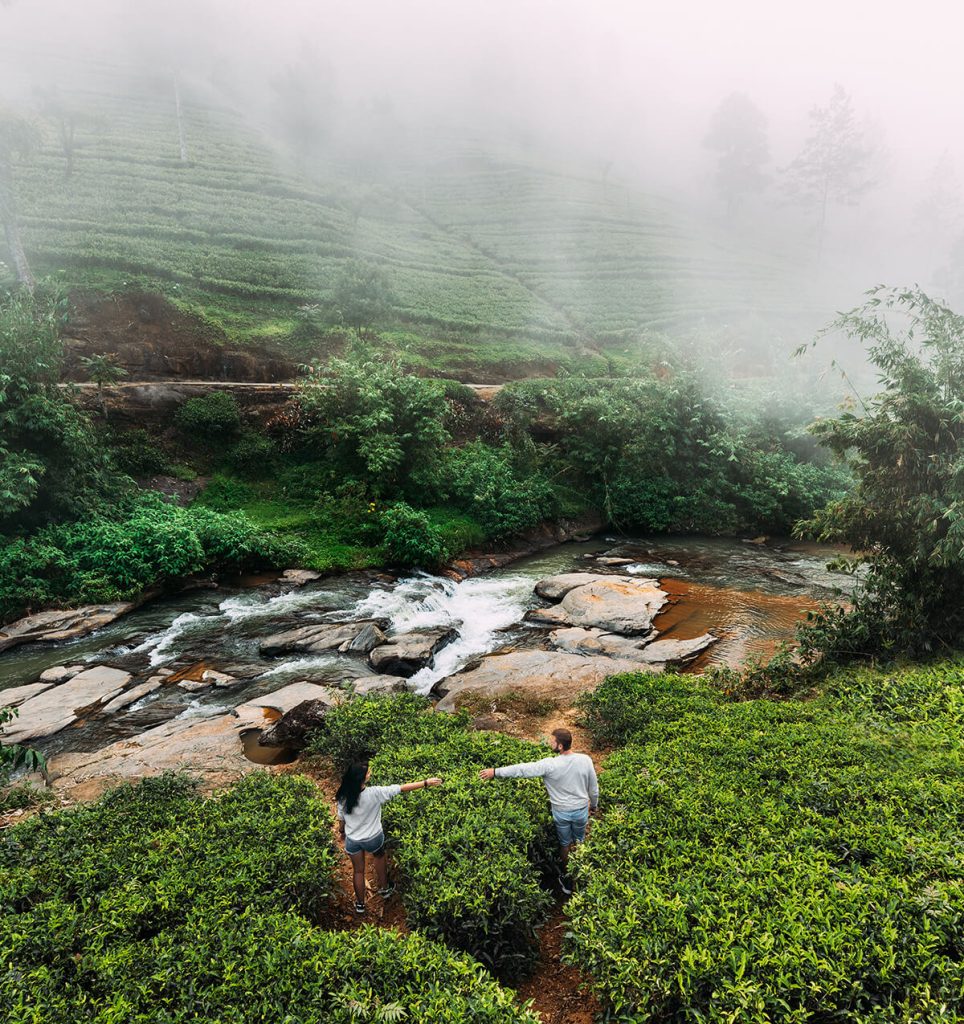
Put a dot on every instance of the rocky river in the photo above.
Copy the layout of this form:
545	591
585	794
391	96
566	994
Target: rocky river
191	678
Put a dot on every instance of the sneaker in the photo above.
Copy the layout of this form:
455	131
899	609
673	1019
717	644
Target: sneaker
565	883
387	891
359	907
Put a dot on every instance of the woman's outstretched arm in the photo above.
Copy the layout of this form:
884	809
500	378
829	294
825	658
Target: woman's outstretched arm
421	784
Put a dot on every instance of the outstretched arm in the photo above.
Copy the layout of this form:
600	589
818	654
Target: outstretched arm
527	770
421	784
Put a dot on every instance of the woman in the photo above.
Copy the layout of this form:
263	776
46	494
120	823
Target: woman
360	814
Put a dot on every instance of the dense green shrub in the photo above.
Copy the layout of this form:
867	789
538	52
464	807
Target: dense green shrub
765	861
252	453
410	538
139	454
141	544
209	418
155	905
52	463
470	854
905	512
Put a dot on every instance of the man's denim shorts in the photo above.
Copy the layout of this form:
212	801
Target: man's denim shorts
571	825
373	845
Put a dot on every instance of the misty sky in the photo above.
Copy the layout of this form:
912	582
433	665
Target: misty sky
620	78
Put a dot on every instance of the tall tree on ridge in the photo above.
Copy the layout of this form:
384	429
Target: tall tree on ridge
16	139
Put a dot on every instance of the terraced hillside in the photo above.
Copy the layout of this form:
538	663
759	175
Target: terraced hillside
526	262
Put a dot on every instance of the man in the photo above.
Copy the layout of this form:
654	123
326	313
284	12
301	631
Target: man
573	789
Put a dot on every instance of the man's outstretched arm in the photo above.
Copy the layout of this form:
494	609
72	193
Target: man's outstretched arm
526	770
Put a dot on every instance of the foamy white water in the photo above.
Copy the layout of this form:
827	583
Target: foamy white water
252	605
478	608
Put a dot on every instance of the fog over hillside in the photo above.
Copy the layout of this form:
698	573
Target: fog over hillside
624	95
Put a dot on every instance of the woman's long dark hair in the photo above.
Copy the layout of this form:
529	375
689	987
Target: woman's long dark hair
352	783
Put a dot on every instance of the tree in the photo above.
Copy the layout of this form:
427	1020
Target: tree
738	133
103	371
16	140
905	513
362	294
67	120
938	214
835	164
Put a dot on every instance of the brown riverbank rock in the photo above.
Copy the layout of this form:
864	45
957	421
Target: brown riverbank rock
53	626
647	649
552	674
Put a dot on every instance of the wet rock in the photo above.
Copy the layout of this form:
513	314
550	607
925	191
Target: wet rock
367	640
551	674
58	706
15	695
293	728
554	616
193	685
53	626
209	675
367	685
409	652
132	695
675	651
59	674
299	577
314	639
611	560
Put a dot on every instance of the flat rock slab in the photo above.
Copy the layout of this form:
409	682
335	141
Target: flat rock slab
59	706
409	652
314	639
546	674
60	673
15	695
48	627
209	748
646	650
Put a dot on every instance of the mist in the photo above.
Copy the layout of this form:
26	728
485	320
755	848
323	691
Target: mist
620	92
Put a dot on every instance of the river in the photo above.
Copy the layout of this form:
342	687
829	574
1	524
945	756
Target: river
749	595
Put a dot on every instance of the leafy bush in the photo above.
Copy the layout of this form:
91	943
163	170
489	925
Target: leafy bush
410	538
905	512
144	543
470	854
211	417
765	862
253	453
139	454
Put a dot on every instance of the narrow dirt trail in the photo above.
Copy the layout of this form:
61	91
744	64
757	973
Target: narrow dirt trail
558	991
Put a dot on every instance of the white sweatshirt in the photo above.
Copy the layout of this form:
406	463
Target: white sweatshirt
570	779
365	819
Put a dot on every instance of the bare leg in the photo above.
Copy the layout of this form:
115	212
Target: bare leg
358	875
381	868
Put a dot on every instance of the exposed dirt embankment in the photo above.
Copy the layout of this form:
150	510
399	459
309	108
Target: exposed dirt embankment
153	340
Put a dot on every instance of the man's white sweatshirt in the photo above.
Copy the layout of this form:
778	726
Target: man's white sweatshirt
570	779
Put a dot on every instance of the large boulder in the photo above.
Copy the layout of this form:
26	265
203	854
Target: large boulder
54	626
314	639
544	674
367	640
555	588
407	653
59	706
617	605
367	685
292	729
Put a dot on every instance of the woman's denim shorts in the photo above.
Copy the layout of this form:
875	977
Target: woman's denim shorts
373	845
571	825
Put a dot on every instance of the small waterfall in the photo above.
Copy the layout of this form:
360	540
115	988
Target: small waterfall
478	608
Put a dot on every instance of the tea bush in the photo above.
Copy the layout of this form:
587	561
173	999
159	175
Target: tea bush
765	861
470	854
154	905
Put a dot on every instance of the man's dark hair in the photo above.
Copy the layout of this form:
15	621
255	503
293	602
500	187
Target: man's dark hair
564	737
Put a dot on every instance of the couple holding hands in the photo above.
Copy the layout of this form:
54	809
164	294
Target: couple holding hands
570	781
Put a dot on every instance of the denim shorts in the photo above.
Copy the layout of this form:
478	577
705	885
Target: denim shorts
571	825
372	845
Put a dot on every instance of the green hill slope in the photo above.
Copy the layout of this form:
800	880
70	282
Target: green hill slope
529	263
